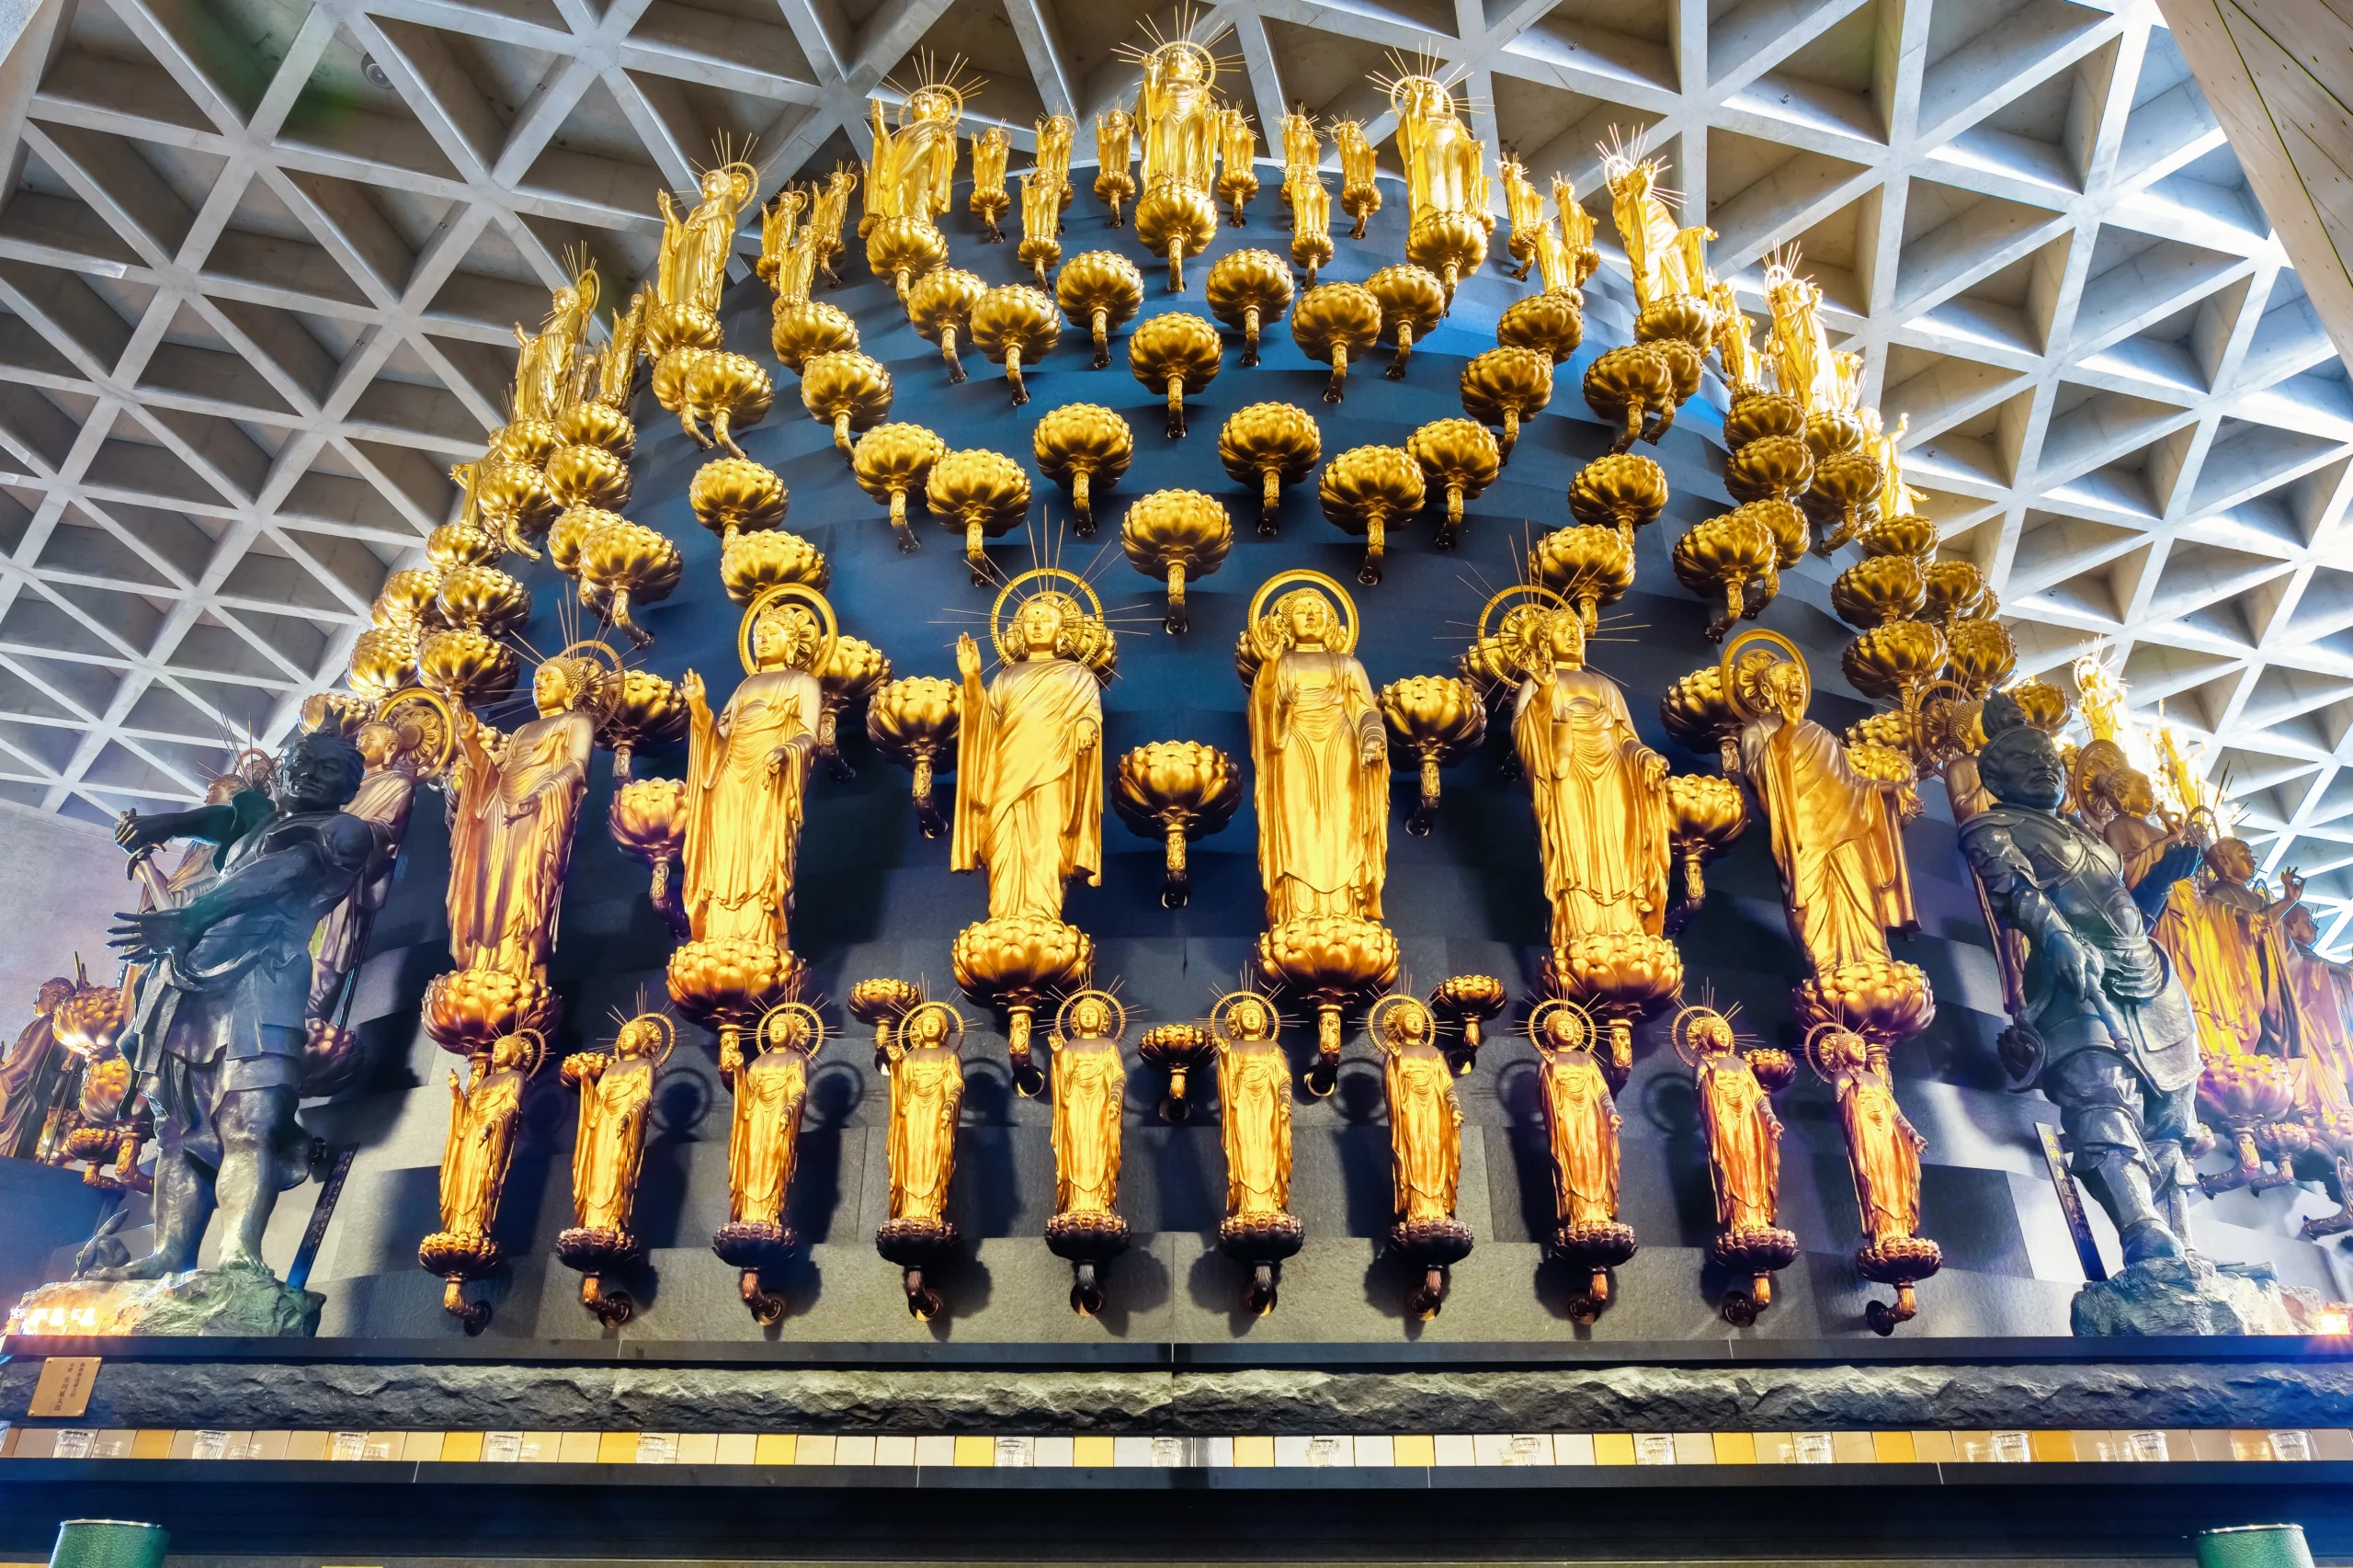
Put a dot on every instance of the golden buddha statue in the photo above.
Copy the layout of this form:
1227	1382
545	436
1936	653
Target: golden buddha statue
747	771
1601	819
608	1156
1090	1094
763	1148
913	171
1322	757
926	1093
1254	1107
1030	769
511	829
1743	1158
1303	154
1837	831
1425	1146
1581	1123
1178	110
1445	171
2224	937
1883	1155
399	754
486	1114
779	221
2117	800
2322	991
690	271
543	361
1803	365
1647	227
827	213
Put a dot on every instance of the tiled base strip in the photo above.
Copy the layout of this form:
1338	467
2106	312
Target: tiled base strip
1245	1452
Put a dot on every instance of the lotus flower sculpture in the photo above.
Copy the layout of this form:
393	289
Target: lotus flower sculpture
1015	324
1413	302
1366	491
1729	560
1504	386
1175	221
940	305
1591	564
1100	291
892	461
753	564
913	722
1335	322
1175	791
1246	290
849	392
1459	457
1083	445
1177	535
982	494
1633	388
732	495
1177	353
622	560
1269	445
1439	718
648	821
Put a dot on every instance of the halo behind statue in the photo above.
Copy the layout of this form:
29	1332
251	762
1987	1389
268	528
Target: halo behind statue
1520	623
1814	1038
1680	1034
1736	694
662	1021
907	1029
1540	1022
1344	639
1082	612
1222	1008
783	593
1117	1008
539	1044
604	681
812	1025
1377	1017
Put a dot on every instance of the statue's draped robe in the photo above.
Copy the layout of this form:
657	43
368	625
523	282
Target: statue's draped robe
763	1137
1835	838
482	1122
1583	1125
1254	1090
1883	1153
1743	1143
1029	803
1601	828
1425	1135
1322	814
1090	1091
2231	964
744	818
926	1090
508	856
610	1149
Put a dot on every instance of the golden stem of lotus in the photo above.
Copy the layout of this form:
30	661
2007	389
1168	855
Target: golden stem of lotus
1396	371
841	433
1376	540
1078	498
1337	388
1429	789
1250	336
948	352
1175	407
1013	374
1176	620
1269	499
1177	266
1103	334
1016	1035
1511	433
907	545
973	555
1695	882
1453	517
900	278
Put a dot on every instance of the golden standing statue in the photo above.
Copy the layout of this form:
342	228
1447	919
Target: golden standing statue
1090	1094
1836	834
1179	112
1743	1158
926	1093
543	363
1321	758
763	1148
1029	771
690	271
1581	1124
1425	1146
2223	937
1600	793
913	171
747	771
2323	993
486	1114
1254	1105
1883	1155
511	829
609	1158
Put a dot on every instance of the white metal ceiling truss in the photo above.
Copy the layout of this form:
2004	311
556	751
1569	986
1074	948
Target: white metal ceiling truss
260	261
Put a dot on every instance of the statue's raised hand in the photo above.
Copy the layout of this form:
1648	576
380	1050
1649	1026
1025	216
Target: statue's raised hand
968	656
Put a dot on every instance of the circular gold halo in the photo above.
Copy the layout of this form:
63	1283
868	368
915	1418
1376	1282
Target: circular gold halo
1344	608
770	597
1397	91
955	1020
608	680
539	1042
1382	1009
1544	1011
1729	664
1117	1009
1199	51
1080	589
1222	1008
815	1021
1680	1033
1813	1037
1535	594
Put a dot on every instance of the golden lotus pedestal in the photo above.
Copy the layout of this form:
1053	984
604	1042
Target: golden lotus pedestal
1012	965
752	1247
1620	976
1433	1246
1329	961
916	1246
1757	1250
597	1252
1883	1000
467	1010
1088	1240
729	984
1597	1246
1260	1243
1900	1262
460	1259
